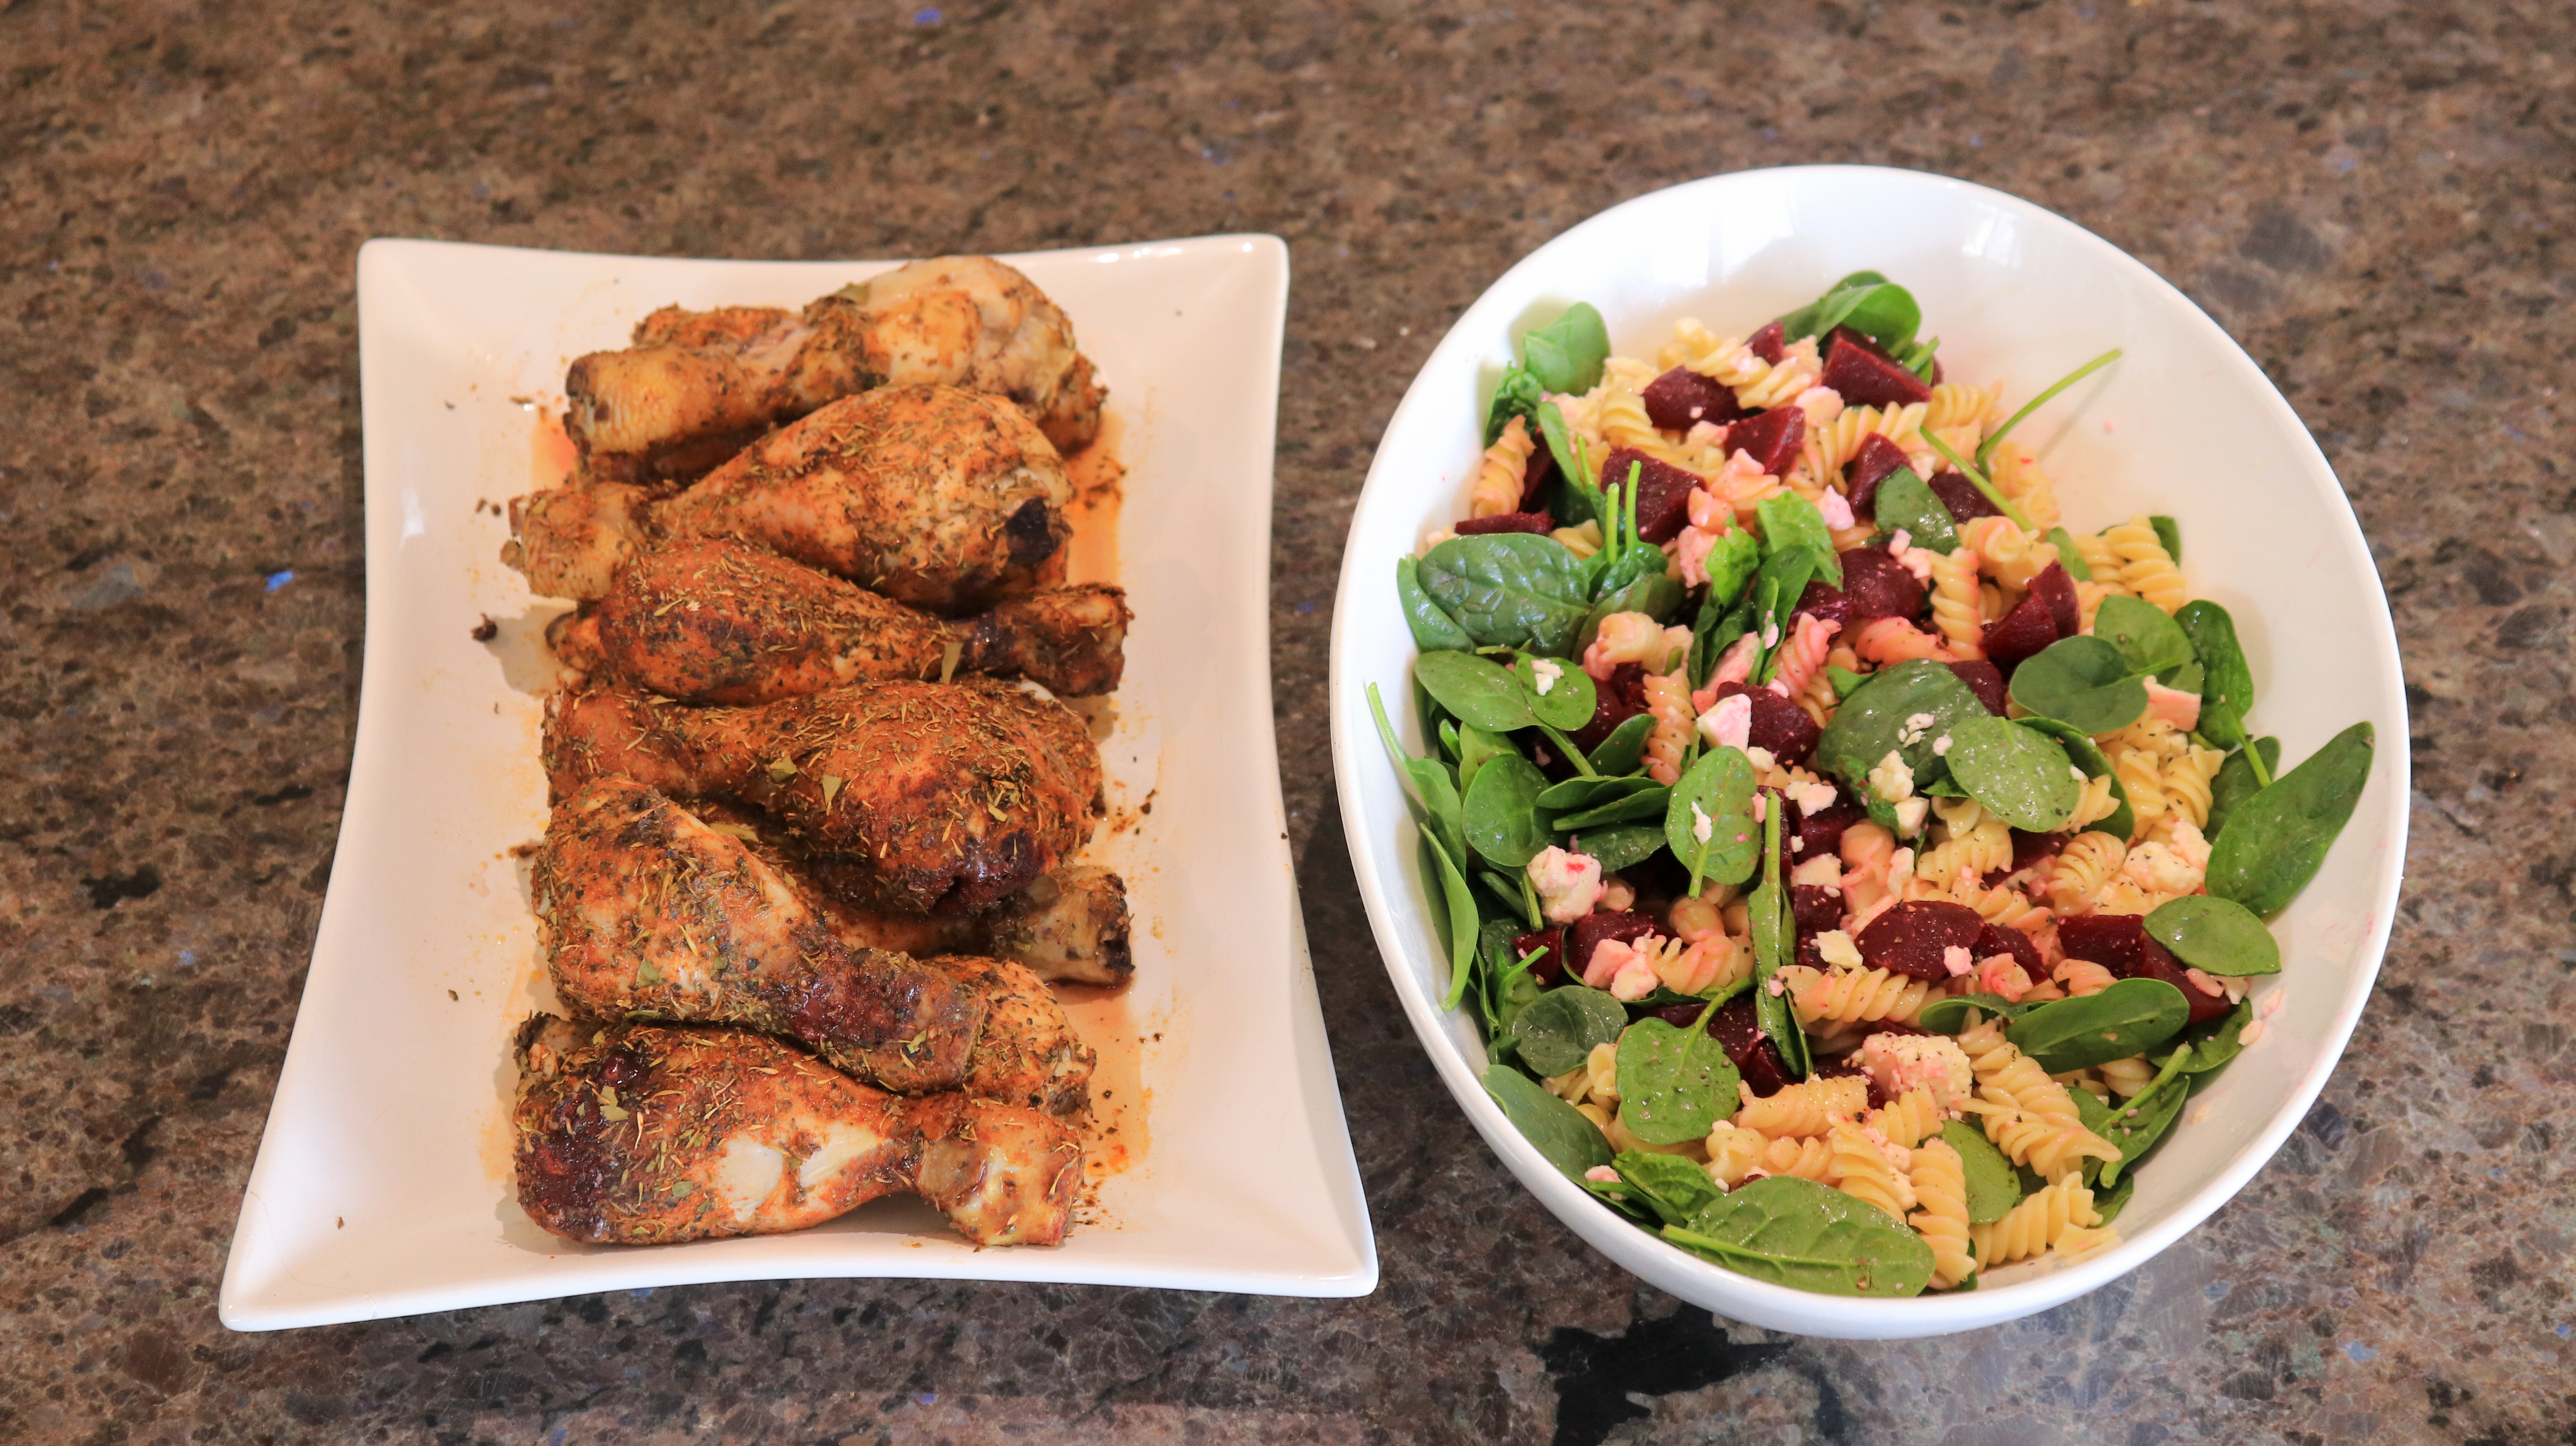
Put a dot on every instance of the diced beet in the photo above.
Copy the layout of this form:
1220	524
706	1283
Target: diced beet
1586	934
1818	909
1777	724
1548	968
1876	585
2030	848
1915	939
1535	477
1985	680
1961	496
1537	522
1614	702
1848	1067
2119	943
1773	438
1936	371
2000	940
1821	832
1658	876
1681	399
2058	589
1735	1027
2020	633
1770	343
1864	376
1873	462
1663	492
1826	602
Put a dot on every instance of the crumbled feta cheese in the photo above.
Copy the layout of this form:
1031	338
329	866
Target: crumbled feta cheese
1761	807
1822	872
1700	823
1760	758
1909	815
1837	509
1941	746
1957	960
1837	949
1602	1175
1777	988
1728	724
1812	797
2204	983
1902	1062
2078	774
1891	780
1568	884
1900	863
1545	673
1771	635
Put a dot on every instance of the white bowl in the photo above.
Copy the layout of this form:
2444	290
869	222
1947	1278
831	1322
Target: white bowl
2184	424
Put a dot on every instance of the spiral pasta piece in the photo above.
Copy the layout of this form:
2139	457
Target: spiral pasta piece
1668	699
1887	641
2029	1116
2007	552
1956	404
2101	559
1734	1153
1621	415
1862	1171
1980	850
1807	1159
2144	782
2016	474
1954	603
2003	906
1499	475
2095	803
2042	1218
1808	1108
2088	861
2145	567
2079	977
1909	1119
1940	1180
1852	995
2128	1078
2151	735
2187	783
1802	653
1759	385
1832	444
2088	602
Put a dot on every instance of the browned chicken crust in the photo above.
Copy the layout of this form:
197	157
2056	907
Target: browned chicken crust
915	795
719	621
642	1134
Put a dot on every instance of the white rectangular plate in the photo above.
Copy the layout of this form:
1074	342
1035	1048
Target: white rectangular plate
383	1185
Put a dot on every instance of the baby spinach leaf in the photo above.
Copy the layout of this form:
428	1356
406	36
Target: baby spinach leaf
1879	717
2168	532
1566	354
1625	748
1501	812
1476	748
1673	1187
2149	641
1578	493
2214	1043
1776	590
1995	438
1775	943
2237	782
1708	818
1714	631
2131	1017
1796	1232
2108	1205
1559	1029
1648	803
1509	589
1569	698
1516	394
1790	520
1992	1190
2276	840
1866	302
1655	595
2136	1126
2020	775
2185	679
1950	1015
1673	1082
1458	933
2084	753
2227	684
1475	690
1907	503
2082	681
2215	935
1434	797
1580	793
1731	564
1917	358
1556	1129
1431	625
2068	554
1845	681
1619	845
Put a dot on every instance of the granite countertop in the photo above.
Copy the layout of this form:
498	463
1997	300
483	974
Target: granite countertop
2372	197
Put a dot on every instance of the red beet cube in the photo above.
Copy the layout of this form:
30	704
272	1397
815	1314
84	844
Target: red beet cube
1548	968
1915	939
1864	376
2119	943
1772	438
1985	680
1770	343
2058	589
1663	492
1961	496
1681	399
2030	848
1535	477
1999	940
1874	461
1817	908
2020	633
1614	702
1777	724
1876	585
1537	522
1825	602
1587	933
1821	832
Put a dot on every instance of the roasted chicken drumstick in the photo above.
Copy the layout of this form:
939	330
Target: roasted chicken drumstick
716	621
641	1134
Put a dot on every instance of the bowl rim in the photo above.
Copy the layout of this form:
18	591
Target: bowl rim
1757	1301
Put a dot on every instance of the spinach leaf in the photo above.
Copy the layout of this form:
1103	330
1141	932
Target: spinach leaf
2131	1017
1648	803
1866	302
2082	681
1566	354
2185	679
2108	1205
1509	589
1673	1187
2227	684
2135	1127
1476	748
2168	532
1877	718
1559	1029
1579	793
1654	594
1674	1083
1918	357
2018	774
2237	781
1716	630
1578	493
1992	1190
2214	1043
1775	944
2084	753
1457	919
2149	641
1431	625
2215	935
1558	1130
2276	840
1950	1015
1776	590
1475	690
1844	680
1796	1232
1517	394
1708	818
1434	797
1569	698
1731	564
1619	845
1501	812
1790	520
2067	553
1495	960
1625	748
1908	504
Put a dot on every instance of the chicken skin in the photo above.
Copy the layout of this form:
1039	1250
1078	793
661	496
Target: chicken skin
697	386
918	796
716	621
645	1134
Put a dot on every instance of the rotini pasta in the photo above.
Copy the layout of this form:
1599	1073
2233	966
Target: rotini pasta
1861	1170
1668	699
1804	1109
1954	603
1940	1182
2146	569
1848	995
2088	861
2035	1224
1498	476
1887	641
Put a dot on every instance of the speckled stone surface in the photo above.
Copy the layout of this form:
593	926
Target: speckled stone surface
2372	196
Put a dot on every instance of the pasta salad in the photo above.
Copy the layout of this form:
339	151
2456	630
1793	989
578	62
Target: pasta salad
1852	870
